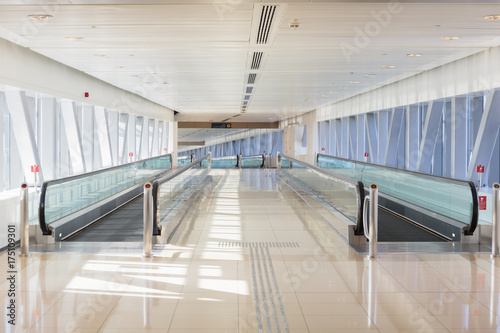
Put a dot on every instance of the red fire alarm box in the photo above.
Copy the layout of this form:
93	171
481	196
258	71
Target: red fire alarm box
482	202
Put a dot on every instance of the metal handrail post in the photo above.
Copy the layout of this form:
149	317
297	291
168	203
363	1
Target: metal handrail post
495	237
372	232
278	161
25	231
148	221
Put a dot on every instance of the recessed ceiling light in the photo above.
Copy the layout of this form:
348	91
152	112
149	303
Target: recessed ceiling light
388	66
334	92
370	75
74	38
342	87
451	38
354	82
414	54
40	17
492	17
325	95
101	55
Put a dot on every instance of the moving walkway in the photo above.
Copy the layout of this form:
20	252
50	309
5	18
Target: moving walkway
107	205
413	207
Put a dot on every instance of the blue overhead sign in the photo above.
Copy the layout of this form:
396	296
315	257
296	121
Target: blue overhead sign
221	125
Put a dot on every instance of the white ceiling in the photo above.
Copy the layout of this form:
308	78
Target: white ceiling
194	56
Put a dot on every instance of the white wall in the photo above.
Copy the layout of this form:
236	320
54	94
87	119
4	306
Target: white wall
478	72
28	70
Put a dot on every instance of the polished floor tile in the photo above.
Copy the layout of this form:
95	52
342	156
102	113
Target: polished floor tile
252	258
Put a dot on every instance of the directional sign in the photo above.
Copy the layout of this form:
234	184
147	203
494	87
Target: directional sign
35	168
130	154
480	168
221	125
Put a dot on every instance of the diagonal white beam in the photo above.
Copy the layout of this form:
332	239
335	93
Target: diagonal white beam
103	135
459	137
371	128
23	132
73	136
429	136
486	135
123	153
382	134
412	136
393	137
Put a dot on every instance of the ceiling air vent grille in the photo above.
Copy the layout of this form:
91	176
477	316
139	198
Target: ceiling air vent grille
251	78
266	19
256	59
249	90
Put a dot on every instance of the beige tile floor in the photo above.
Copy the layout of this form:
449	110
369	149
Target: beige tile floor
247	261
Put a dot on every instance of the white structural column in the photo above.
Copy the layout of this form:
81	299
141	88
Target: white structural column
47	143
447	162
113	118
131	139
103	135
486	135
155	144
361	147
383	134
352	137
88	136
123	139
172	141
339	128
393	137
429	136
164	138
73	136
23	131
144	150
459	138
371	129
412	136
332	143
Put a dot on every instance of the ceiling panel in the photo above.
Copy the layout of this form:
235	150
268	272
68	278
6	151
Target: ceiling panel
195	56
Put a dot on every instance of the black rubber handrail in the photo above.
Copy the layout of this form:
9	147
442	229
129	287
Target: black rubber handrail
156	185
358	230
43	189
241	158
468	229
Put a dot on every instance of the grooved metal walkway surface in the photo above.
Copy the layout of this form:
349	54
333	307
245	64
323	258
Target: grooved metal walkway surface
123	225
393	228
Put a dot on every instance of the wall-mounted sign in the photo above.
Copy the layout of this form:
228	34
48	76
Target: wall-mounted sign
482	202
35	168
